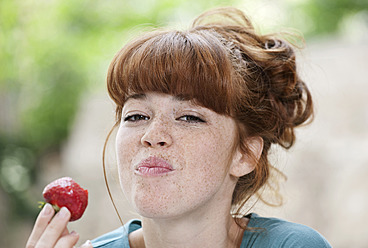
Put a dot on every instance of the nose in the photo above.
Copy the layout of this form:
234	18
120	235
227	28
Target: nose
157	135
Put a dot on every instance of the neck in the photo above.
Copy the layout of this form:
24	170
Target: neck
192	231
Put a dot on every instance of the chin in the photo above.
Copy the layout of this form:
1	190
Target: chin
158	208
151	208
153	213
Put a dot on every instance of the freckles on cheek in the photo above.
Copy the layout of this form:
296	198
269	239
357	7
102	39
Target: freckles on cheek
124	153
207	159
213	150
125	145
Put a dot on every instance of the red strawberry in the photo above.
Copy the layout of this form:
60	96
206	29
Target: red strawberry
65	192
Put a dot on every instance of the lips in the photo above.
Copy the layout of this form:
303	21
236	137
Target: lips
153	166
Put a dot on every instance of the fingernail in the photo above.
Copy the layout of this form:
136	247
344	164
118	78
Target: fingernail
64	212
88	242
74	233
47	209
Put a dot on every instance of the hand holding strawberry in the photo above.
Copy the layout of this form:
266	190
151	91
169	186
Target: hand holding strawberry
65	192
69	200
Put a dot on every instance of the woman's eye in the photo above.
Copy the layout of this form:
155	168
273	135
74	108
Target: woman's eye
135	118
190	118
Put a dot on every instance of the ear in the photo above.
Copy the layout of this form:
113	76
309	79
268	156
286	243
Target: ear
244	163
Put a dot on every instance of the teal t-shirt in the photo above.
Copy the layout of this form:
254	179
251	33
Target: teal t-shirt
265	232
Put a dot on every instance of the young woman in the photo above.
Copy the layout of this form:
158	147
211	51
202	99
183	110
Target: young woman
197	112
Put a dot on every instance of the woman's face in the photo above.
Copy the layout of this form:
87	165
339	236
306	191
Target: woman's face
174	157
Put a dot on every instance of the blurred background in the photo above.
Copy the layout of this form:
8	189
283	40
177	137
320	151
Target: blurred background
55	112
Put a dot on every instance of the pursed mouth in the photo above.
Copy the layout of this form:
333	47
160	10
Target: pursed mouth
153	166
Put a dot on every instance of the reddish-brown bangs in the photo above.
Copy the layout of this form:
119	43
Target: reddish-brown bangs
192	65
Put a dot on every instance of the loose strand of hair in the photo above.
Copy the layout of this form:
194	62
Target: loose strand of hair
104	171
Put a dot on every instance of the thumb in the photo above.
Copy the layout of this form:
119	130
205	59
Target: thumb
87	244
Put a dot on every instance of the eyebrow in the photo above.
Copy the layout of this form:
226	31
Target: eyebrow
136	96
181	98
143	96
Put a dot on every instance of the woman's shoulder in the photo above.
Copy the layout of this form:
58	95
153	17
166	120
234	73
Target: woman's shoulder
274	232
118	237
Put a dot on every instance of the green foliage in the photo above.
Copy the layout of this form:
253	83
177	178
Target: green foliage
324	17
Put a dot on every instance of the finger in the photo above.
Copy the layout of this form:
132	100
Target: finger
65	232
42	221
68	240
54	230
87	244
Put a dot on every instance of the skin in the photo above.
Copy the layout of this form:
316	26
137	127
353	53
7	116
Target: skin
190	206
50	230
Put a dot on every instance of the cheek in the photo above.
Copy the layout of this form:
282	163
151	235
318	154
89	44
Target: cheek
209	157
124	140
127	144
125	152
212	148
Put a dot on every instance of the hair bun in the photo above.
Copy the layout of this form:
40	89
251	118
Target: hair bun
288	94
273	44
